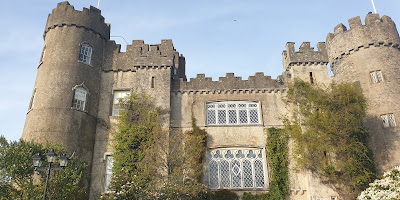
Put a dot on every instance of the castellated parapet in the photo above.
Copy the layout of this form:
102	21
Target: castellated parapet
90	19
229	83
369	56
376	32
305	56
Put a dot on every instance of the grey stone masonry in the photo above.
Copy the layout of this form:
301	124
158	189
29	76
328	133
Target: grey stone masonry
305	55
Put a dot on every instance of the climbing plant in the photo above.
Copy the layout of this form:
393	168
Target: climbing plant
330	138
277	153
152	162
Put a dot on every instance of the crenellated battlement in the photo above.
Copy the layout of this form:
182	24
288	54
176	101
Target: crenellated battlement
66	15
305	55
140	54
229	83
375	32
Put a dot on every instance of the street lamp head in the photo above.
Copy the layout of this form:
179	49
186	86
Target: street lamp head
37	160
63	160
51	156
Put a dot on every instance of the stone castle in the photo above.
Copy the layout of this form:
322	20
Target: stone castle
82	74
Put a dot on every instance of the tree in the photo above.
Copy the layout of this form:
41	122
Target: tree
150	161
17	173
386	188
330	138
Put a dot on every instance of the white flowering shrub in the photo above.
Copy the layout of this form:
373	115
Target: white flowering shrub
387	188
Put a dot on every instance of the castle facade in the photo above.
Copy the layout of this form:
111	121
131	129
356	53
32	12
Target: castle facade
82	74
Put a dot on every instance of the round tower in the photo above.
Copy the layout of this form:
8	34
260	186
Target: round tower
65	100
369	56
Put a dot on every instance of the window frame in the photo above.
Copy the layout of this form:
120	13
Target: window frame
229	112
109	161
85	103
85	58
376	76
227	177
388	120
114	108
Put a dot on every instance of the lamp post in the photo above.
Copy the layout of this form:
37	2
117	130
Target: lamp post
51	158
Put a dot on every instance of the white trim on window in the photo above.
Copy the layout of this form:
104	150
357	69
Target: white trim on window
236	168
388	120
376	76
32	102
85	53
108	175
233	113
118	95
79	101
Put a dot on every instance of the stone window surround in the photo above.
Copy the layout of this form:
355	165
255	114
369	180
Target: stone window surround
258	107
87	97
42	55
235	151
86	44
108	161
114	109
32	101
376	76
388	120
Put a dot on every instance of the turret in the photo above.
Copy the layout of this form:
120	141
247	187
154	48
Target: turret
306	64
368	55
65	101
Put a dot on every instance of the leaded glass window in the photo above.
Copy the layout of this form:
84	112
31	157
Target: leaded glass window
388	120
85	54
236	168
232	113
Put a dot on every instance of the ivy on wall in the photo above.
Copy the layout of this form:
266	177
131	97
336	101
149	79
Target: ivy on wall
329	136
277	153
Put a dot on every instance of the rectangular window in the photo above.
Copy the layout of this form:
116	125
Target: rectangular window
79	102
388	120
232	113
239	168
117	96
376	76
109	166
153	82
85	54
311	78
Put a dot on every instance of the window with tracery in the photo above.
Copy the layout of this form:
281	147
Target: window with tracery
117	96
233	113
80	98
239	168
85	54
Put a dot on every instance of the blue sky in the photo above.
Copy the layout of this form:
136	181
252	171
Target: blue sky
215	36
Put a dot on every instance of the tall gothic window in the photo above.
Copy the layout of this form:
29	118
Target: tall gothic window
238	168
118	95
80	98
85	54
233	113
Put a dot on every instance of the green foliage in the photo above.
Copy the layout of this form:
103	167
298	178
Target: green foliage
329	134
151	162
277	154
250	196
16	174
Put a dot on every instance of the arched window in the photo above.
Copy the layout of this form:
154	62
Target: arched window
236	168
80	97
85	54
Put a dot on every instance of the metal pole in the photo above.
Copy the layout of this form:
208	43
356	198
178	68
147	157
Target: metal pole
373	5
47	182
